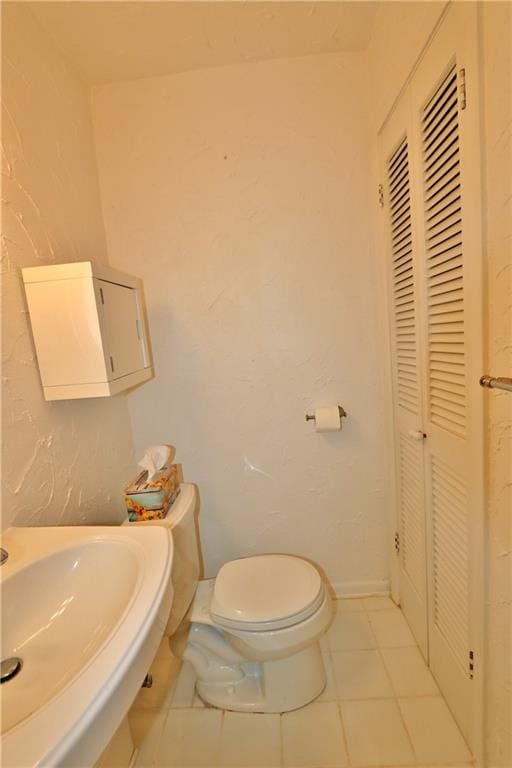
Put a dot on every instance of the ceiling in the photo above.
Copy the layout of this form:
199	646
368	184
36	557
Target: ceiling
115	41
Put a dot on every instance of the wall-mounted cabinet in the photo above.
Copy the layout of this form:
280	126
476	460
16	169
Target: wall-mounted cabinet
89	329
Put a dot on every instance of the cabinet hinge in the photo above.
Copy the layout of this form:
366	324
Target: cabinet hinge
397	543
471	664
462	89
381	195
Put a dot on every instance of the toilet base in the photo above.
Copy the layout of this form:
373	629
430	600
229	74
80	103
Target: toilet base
279	685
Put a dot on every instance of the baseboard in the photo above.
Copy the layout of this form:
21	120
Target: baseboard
361	588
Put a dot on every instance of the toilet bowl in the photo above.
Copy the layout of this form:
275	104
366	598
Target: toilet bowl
252	633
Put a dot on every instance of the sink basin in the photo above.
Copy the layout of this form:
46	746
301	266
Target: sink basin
84	608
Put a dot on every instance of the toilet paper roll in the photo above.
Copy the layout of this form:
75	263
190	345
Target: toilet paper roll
328	419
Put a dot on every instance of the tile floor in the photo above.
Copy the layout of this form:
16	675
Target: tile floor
381	707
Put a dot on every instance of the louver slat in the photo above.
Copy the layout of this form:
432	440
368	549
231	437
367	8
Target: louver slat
412	518
448	200
406	377
444	253
451	558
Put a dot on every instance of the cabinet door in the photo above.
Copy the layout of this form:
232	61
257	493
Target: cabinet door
402	277
430	168
121	329
67	336
449	214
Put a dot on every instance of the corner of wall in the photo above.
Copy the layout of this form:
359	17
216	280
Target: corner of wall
63	462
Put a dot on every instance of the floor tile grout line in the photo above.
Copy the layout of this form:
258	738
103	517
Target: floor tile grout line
423	765
281	740
344	732
221	734
166	710
396	697
156	753
402	718
366	612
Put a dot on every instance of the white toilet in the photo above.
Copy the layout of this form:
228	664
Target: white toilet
252	633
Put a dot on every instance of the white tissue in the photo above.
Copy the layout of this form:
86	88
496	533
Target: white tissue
156	458
328	419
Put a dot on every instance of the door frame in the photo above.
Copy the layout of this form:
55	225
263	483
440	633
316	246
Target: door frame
461	19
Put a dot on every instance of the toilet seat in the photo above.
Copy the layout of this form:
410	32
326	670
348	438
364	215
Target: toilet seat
265	592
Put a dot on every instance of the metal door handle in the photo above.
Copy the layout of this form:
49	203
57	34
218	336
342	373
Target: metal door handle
496	382
417	434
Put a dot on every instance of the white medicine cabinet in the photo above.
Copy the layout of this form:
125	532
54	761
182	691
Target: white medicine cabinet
89	329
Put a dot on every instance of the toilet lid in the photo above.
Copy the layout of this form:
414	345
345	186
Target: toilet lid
266	591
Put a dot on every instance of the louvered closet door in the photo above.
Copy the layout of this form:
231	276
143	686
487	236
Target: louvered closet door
402	276
446	154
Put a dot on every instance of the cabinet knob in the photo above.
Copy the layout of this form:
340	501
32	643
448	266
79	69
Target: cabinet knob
417	434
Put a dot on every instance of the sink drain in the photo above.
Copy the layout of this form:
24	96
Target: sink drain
10	668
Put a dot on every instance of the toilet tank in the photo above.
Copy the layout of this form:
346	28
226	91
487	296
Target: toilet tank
181	520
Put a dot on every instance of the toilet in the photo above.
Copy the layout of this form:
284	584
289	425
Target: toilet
252	633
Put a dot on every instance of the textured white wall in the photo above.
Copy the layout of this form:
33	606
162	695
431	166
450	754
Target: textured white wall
400	32
63	462
241	196
497	82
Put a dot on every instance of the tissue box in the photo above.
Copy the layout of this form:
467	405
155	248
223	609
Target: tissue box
137	513
151	500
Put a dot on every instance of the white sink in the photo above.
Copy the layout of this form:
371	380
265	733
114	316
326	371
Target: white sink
85	609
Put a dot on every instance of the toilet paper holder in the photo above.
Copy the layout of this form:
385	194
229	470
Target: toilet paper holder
311	416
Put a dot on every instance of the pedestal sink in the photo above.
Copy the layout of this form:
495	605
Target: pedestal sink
84	609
